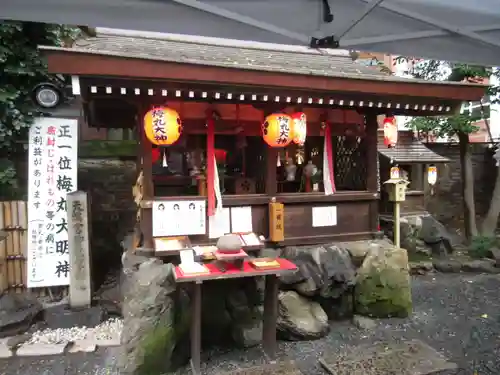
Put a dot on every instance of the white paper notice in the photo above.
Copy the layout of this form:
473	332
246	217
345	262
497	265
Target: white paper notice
219	223
187	257
241	219
179	218
324	216
53	171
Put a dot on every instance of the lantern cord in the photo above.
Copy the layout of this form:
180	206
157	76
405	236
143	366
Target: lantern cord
278	162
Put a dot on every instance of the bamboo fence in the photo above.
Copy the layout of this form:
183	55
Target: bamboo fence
13	250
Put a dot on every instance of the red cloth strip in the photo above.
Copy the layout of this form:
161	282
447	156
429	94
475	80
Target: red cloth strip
210	164
329	153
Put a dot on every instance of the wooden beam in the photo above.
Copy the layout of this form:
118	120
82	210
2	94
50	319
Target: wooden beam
98	65
371	166
148	189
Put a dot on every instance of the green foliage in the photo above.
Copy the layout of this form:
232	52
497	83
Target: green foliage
480	246
108	149
444	71
22	68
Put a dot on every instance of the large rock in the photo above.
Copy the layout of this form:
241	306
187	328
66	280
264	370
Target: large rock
150	330
325	271
339	308
17	313
62	316
383	286
434	234
300	318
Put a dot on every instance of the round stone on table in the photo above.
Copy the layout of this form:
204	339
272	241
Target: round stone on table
229	243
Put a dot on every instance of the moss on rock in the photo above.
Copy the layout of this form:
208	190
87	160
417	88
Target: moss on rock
157	347
383	287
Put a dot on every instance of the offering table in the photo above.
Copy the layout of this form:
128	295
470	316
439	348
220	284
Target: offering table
231	272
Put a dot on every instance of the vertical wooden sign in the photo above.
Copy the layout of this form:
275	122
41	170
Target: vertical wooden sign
276	222
80	291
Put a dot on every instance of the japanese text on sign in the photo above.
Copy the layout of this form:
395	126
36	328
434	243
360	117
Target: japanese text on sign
79	257
158	117
284	129
52	174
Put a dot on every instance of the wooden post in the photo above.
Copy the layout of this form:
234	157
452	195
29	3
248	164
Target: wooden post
147	186
271	180
371	166
270	316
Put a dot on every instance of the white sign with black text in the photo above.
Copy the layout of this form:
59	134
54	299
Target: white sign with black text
179	218
53	171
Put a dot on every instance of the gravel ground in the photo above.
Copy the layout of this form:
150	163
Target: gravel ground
458	315
105	331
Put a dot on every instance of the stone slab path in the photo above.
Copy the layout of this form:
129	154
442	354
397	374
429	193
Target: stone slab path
457	315
412	357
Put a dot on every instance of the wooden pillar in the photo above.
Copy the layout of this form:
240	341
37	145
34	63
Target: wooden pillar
271	180
147	185
371	166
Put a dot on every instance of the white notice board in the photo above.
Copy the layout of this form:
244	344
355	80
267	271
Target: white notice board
179	218
53	172
324	216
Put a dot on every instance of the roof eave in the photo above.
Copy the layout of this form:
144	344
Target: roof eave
76	62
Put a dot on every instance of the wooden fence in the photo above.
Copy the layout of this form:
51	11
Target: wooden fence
13	250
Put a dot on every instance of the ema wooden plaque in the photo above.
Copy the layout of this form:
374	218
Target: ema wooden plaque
276	222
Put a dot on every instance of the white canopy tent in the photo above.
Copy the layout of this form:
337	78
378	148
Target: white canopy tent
454	30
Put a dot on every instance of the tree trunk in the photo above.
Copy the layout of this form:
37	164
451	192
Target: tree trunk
491	220
467	186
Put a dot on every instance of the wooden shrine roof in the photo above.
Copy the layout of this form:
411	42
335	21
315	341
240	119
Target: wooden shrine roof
231	54
250	67
294	61
408	150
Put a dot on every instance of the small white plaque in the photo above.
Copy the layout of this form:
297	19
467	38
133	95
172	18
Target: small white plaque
324	216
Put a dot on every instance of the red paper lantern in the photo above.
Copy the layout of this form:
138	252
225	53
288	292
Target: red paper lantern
277	130
390	132
299	128
162	126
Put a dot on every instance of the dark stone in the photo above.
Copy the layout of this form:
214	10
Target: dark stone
340	308
17	313
433	233
325	271
15	341
495	255
447	265
150	330
215	317
109	295
62	316
480	266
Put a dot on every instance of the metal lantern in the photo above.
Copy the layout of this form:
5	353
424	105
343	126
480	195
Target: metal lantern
432	175
277	130
162	126
299	128
390	131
